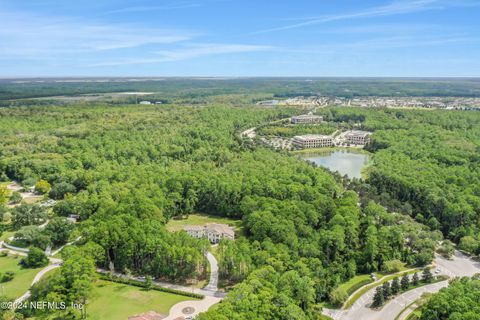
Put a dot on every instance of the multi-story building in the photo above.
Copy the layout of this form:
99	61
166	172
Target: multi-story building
312	141
306	118
214	232
358	137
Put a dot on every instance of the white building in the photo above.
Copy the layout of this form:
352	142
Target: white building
312	141
214	232
145	102
306	118
358	137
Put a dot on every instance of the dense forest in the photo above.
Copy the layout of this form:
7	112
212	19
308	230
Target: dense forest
428	161
459	301
126	170
196	88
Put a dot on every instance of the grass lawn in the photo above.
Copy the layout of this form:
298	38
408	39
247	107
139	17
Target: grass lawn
116	301
201	219
22	280
32	199
353	284
6	234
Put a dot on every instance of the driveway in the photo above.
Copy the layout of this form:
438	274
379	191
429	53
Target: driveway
213	283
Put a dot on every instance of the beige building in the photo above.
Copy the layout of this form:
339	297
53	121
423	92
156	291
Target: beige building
358	137
306	118
312	141
214	232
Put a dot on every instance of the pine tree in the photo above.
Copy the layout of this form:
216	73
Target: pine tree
405	282
415	279
395	286
387	291
378	298
427	275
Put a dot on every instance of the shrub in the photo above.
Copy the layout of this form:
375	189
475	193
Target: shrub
338	296
36	258
42	187
16	197
7	276
392	266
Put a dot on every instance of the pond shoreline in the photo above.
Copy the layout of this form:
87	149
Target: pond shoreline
350	162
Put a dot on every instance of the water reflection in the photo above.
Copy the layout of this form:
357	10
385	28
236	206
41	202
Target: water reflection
346	162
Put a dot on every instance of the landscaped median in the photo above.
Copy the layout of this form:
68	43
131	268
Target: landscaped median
363	289
390	290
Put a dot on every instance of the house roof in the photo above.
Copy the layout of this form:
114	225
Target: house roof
220	228
213	227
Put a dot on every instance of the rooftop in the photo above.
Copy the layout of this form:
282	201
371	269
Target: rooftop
215	227
311	137
358	133
307	116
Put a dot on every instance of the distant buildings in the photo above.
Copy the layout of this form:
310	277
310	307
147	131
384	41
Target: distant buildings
358	137
306	118
150	102
268	103
312	141
214	232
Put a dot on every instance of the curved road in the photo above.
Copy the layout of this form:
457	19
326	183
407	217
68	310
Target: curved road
56	263
459	266
37	278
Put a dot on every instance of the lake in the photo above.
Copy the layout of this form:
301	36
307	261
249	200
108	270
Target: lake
347	162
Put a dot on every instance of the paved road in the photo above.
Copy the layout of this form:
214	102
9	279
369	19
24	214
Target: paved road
459	266
56	263
37	278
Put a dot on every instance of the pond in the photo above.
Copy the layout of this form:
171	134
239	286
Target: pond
346	162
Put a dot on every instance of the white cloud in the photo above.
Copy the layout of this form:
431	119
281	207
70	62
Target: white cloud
384	43
188	52
394	8
32	36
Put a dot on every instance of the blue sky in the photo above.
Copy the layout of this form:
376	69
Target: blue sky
417	38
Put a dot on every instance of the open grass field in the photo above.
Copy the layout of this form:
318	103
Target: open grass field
115	301
201	219
22	280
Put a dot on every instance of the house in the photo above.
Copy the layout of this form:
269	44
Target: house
306	118
312	141
73	218
145	102
214	232
48	204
